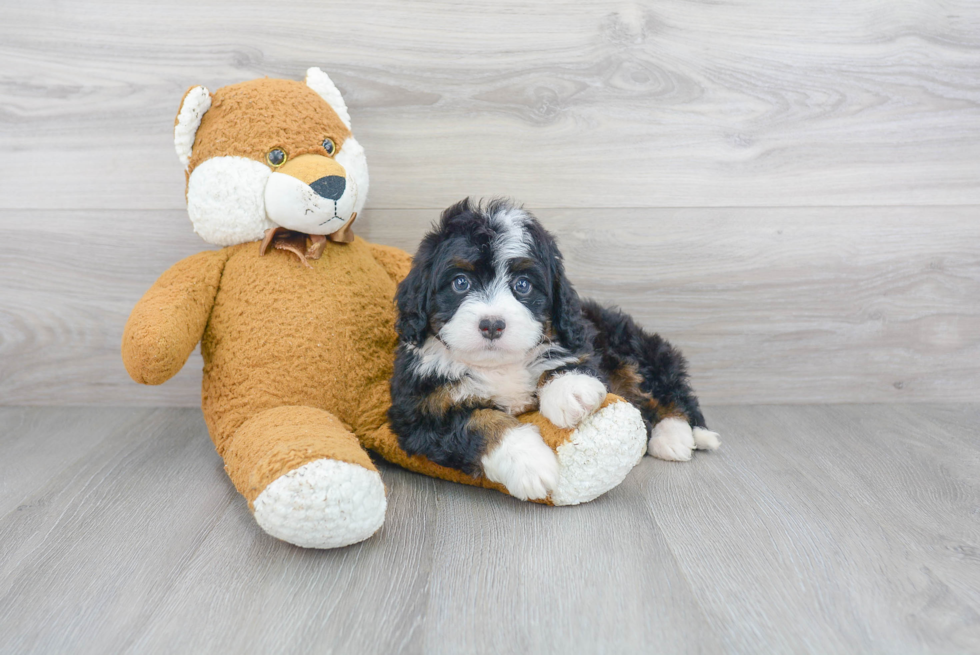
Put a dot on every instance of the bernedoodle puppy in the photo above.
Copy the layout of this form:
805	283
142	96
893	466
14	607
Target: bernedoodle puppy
490	327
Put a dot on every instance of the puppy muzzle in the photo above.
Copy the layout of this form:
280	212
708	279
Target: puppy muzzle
310	194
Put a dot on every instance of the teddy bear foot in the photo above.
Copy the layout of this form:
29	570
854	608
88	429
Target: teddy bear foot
598	455
325	503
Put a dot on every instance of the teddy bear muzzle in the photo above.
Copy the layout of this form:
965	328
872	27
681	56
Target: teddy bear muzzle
311	194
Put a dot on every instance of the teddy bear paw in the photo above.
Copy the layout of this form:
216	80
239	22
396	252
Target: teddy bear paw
599	454
325	503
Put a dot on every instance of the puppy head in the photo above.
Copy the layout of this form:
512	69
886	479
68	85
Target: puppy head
489	284
269	153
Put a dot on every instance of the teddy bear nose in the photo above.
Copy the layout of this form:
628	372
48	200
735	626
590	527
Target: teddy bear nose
330	187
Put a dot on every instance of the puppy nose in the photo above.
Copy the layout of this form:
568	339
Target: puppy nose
492	328
330	187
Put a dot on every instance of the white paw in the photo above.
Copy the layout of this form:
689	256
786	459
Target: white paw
672	439
705	439
569	398
323	504
523	463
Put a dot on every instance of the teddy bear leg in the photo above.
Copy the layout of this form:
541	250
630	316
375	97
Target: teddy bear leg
306	478
595	456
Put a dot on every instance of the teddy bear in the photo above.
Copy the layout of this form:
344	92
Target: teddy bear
295	317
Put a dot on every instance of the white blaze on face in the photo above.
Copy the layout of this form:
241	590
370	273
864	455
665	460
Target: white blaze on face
462	333
512	240
522	331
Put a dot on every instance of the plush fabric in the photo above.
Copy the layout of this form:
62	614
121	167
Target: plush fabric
236	123
169	320
282	439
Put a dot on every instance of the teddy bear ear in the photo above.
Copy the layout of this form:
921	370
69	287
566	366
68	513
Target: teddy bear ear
320	82
195	104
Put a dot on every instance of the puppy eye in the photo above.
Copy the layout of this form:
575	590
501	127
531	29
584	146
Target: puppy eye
276	157
522	286
461	283
329	146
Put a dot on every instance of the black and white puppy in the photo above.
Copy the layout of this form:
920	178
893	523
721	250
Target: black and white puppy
490	327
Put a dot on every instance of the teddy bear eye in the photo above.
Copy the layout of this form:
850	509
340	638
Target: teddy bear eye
276	157
329	146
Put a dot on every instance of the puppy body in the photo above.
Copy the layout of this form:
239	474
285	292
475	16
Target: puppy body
490	327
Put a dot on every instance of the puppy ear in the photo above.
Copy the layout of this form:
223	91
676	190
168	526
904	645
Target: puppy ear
193	106
573	331
412	299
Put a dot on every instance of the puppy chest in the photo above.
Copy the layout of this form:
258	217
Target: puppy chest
512	388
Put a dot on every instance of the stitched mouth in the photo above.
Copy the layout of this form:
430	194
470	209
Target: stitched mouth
335	216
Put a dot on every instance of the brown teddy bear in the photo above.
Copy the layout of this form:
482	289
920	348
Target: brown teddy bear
295	317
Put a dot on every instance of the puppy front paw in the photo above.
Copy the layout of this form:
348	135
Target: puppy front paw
523	463
672	439
569	398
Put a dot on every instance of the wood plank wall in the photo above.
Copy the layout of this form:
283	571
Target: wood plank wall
788	191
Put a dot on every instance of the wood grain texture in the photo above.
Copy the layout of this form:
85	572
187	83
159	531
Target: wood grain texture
593	579
770	305
865	515
112	528
815	529
562	104
368	598
67	437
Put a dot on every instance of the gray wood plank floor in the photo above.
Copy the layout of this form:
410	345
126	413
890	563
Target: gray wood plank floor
823	529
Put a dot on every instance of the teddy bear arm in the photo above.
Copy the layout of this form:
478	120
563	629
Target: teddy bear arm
169	320
395	261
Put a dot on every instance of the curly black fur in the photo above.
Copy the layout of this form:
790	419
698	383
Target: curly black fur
440	432
643	368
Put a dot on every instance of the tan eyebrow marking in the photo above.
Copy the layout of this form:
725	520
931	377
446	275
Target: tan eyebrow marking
522	264
463	264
